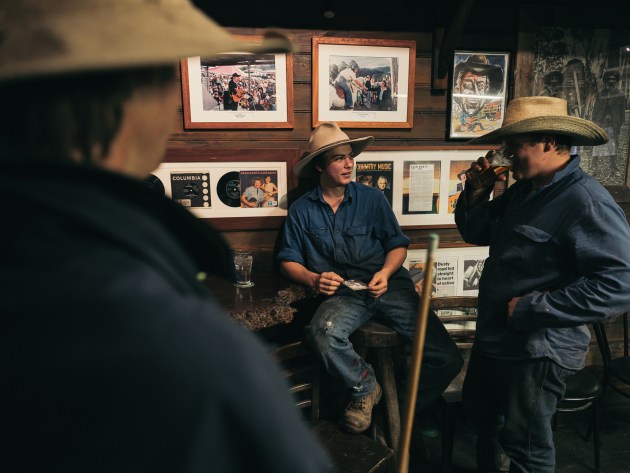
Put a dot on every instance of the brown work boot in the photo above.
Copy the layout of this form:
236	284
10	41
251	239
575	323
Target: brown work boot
358	415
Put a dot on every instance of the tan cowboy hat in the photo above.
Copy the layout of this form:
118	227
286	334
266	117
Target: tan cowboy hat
44	37
327	135
544	115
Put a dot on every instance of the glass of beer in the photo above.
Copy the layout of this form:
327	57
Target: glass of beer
500	161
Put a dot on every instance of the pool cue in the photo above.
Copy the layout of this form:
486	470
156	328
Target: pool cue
402	460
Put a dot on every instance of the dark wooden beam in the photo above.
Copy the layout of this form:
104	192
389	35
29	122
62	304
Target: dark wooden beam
445	41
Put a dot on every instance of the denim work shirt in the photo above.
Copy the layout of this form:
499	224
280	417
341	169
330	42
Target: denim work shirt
564	250
352	242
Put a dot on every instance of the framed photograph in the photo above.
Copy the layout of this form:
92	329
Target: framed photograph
238	91
456	271
236	189
363	83
478	93
589	67
421	183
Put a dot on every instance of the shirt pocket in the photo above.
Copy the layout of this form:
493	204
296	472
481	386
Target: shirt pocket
357	239
531	248
317	237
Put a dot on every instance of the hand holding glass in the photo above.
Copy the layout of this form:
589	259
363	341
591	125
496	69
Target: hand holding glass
243	268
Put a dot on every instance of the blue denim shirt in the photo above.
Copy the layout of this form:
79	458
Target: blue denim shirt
351	242
565	250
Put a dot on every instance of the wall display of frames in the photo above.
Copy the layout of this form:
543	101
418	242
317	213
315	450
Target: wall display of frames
421	183
478	93
377	93
237	189
262	91
456	271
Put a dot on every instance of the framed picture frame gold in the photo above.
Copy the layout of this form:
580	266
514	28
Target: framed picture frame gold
235	91
377	93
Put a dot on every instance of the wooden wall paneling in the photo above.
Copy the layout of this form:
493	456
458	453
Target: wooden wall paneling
430	124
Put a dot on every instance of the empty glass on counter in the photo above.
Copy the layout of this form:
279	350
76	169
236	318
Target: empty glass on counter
243	268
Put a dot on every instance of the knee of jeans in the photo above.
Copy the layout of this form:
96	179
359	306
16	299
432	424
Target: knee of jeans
322	335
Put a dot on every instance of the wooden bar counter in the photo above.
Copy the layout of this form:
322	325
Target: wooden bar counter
274	306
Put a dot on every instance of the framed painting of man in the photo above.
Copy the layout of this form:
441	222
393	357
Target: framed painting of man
478	93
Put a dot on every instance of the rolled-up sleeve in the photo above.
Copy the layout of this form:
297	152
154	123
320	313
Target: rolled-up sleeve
389	232
292	240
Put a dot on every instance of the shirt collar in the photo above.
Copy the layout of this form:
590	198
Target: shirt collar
318	194
572	166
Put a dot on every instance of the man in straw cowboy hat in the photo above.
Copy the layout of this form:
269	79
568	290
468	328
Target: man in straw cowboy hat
115	356
558	260
343	240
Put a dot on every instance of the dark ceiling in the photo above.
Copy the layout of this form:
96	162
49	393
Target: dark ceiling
481	16
365	15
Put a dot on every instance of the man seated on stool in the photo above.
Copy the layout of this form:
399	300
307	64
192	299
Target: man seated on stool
342	231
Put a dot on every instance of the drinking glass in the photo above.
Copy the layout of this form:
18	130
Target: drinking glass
243	268
499	160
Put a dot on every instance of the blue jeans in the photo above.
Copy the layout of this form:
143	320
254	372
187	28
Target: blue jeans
340	315
512	403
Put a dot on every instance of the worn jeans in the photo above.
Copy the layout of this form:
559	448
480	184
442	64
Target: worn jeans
340	315
512	403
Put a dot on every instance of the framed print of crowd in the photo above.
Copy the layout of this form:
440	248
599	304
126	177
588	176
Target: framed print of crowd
236	91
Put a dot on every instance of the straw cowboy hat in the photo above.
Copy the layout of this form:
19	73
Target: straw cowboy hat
478	64
42	37
544	115
327	135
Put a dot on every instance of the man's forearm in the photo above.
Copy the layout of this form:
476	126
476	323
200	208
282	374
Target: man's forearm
298	273
394	260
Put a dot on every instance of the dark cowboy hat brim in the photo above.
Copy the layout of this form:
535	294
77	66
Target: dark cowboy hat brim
304	167
582	132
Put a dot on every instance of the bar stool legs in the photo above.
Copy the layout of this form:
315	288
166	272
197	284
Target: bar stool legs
385	362
379	340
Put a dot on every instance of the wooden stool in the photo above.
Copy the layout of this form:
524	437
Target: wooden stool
382	340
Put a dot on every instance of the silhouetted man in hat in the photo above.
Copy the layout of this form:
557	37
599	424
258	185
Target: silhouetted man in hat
115	357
